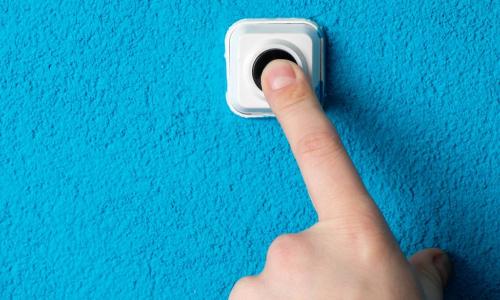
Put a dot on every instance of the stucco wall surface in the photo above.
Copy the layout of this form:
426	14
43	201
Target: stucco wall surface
123	173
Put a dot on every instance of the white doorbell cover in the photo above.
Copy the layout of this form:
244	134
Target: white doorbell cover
252	43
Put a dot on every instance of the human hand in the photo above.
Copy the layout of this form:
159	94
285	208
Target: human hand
350	253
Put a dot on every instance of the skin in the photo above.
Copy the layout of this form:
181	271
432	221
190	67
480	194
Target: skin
350	253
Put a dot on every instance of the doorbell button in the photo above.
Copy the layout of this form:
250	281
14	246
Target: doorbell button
264	59
251	44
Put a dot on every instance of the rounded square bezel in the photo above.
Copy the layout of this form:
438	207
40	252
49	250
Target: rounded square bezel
247	38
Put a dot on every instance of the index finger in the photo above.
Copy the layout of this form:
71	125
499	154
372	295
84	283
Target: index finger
331	179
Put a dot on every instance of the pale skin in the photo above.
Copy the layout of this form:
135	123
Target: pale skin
350	253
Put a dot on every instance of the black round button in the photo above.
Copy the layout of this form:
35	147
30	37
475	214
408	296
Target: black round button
266	57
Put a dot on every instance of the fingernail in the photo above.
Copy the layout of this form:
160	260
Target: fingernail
280	74
442	262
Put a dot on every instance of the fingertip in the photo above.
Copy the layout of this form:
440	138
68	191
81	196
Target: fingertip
279	74
442	262
284	84
434	259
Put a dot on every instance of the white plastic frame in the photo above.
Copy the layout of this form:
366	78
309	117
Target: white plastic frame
248	38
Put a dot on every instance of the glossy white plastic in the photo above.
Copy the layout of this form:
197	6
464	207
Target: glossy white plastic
248	38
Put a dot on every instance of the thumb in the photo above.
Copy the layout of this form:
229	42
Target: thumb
433	269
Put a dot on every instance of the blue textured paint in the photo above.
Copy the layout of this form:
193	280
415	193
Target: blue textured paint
123	173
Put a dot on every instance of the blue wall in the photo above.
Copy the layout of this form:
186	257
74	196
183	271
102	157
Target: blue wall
123	173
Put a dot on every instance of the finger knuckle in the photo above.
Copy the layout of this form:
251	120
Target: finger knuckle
318	145
290	254
366	236
243	288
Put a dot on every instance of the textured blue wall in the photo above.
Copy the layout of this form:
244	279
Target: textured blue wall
123	173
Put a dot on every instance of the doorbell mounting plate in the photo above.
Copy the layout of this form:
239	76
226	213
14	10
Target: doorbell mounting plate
252	43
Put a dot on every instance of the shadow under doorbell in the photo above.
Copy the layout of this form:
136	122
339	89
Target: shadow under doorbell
252	43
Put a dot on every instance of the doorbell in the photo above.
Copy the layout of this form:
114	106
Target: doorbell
252	43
